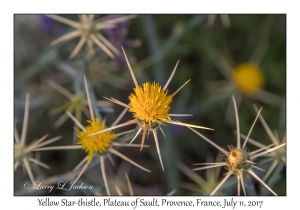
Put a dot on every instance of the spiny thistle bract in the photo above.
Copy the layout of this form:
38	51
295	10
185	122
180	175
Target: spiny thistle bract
77	104
278	157
150	104
88	31
23	153
238	159
99	145
204	186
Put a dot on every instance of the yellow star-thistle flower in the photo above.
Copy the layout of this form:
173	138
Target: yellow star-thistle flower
99	145
150	103
248	78
93	144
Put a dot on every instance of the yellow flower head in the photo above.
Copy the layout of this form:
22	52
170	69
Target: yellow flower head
248	78
97	143
150	103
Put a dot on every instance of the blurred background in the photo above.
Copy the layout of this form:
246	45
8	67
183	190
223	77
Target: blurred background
210	49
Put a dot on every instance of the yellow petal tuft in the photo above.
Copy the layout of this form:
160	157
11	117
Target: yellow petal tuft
96	143
248	78
150	103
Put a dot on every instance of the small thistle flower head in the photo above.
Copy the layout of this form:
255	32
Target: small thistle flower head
248	78
20	152
97	143
150	103
88	31
87	27
238	159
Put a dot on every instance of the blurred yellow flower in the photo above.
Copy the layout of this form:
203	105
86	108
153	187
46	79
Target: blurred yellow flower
248	78
245	81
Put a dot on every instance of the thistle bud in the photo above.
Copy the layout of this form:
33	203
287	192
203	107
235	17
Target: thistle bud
238	159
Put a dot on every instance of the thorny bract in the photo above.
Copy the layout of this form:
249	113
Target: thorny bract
23	152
